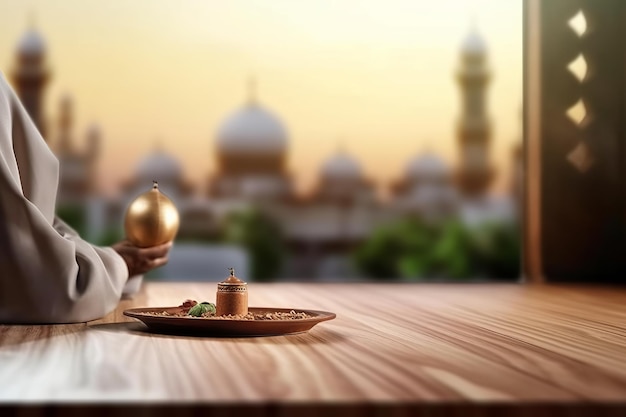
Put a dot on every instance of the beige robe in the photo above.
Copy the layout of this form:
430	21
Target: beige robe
48	274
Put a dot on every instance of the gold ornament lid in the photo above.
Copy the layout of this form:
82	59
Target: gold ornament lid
151	218
232	283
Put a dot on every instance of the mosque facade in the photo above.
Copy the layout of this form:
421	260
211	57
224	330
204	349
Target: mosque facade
251	155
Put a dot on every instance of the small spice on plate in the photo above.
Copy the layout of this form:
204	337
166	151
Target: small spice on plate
261	316
202	309
187	304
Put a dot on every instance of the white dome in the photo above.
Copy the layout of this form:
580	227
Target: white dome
252	129
474	44
427	166
342	166
31	43
159	166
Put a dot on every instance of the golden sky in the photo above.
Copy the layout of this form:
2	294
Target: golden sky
376	76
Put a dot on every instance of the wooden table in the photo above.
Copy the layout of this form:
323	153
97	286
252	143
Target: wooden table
413	344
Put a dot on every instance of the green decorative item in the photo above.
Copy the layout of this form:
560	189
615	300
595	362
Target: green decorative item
199	309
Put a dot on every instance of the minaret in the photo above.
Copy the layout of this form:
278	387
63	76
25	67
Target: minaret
92	153
30	75
64	139
474	133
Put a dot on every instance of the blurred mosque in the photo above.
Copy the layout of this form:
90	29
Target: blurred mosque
252	151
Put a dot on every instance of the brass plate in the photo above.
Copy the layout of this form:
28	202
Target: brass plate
226	327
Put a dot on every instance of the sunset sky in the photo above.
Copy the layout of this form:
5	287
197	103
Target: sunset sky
376	76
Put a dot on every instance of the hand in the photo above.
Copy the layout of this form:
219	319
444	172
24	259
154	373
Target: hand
141	260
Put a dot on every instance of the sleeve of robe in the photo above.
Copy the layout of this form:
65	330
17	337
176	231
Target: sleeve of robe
48	274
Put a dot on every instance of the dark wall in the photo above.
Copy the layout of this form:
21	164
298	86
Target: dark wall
582	187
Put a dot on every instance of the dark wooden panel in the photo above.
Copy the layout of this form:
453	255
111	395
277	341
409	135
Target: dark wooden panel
582	209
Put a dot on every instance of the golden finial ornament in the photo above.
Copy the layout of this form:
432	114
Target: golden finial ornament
151	219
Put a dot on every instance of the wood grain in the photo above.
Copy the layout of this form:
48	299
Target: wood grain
397	342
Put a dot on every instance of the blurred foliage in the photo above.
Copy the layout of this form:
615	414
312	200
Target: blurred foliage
109	237
74	215
498	250
261	237
411	249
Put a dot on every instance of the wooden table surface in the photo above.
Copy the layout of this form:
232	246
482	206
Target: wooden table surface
401	342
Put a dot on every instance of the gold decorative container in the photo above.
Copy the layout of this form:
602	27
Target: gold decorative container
232	296
151	219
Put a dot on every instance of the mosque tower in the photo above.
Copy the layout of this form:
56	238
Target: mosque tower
65	125
77	173
474	131
31	75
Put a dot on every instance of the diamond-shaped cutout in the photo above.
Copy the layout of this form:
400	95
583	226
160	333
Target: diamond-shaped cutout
578	67
581	157
578	23
577	112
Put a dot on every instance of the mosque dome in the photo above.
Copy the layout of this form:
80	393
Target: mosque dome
474	44
342	166
31	43
427	166
159	166
252	129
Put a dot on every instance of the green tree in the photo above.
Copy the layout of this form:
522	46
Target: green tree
452	253
498	247
110	236
74	215
413	250
397	250
263	240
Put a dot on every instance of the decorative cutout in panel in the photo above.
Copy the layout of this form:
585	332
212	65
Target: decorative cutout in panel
577	112
578	23
581	158
578	67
